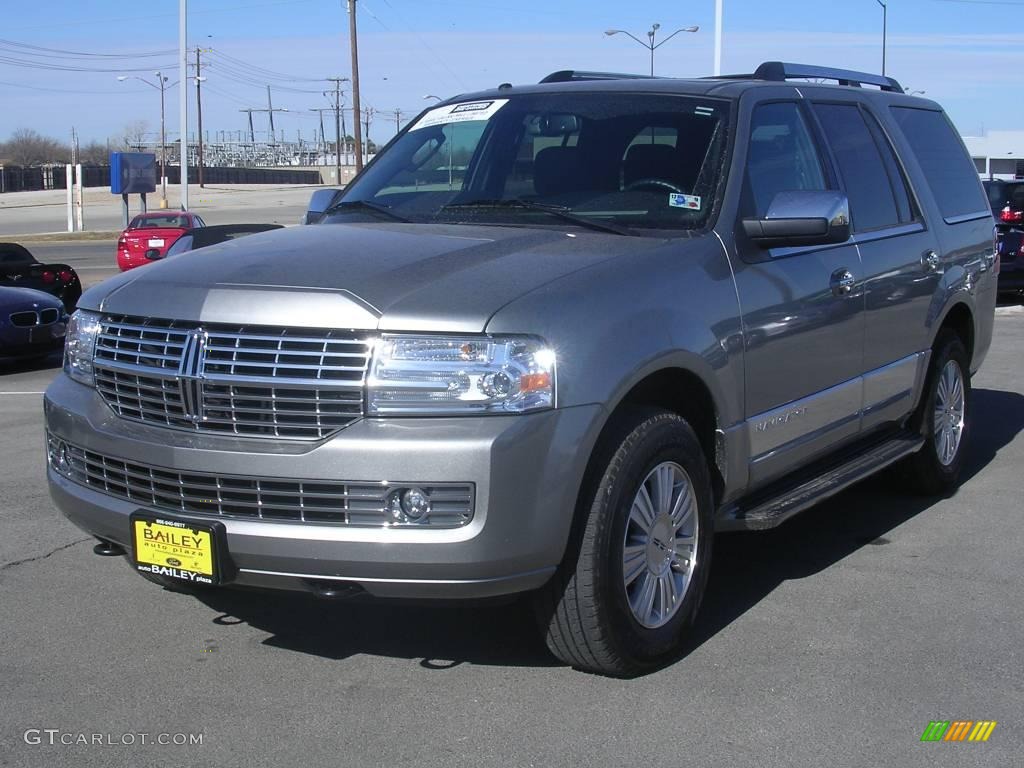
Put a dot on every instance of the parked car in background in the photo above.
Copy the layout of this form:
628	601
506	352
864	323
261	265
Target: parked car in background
1010	246
20	269
149	235
1006	199
203	237
32	323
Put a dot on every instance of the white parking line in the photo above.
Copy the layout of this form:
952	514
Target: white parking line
22	393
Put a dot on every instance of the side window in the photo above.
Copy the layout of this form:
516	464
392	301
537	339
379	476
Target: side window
781	156
948	169
904	202
872	202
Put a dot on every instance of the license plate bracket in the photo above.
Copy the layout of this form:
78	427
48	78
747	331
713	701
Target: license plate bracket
183	550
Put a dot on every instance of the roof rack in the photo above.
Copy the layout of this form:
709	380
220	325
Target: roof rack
572	75
779	71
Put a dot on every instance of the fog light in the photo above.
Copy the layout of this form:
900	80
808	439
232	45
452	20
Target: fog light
408	505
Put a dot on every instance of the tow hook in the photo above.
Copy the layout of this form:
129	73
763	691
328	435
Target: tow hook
108	549
334	590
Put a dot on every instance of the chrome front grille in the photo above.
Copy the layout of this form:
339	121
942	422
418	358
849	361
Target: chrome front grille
251	381
234	496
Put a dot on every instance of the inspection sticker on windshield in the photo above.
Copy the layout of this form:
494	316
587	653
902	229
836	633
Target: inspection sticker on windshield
460	113
676	200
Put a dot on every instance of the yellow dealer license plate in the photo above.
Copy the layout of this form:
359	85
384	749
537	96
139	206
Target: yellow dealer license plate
182	550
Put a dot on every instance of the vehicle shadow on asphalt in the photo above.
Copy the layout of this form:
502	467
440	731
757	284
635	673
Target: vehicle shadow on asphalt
747	568
49	362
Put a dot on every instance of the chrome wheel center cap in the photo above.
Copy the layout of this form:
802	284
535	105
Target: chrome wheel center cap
661	546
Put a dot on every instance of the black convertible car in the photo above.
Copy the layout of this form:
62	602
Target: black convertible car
20	269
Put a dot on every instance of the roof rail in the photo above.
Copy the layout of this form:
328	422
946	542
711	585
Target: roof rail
781	71
571	75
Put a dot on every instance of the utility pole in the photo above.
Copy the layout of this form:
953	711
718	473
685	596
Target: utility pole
368	114
199	112
337	124
398	120
355	82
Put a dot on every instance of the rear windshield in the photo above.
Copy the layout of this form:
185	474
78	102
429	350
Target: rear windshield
157	222
635	161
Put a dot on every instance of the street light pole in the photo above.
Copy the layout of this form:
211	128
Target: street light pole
163	143
162	86
183	98
718	38
650	44
885	11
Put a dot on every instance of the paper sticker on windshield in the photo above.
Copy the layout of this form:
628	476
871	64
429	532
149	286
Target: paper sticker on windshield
677	200
460	113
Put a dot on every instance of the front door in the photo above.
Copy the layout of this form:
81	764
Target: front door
803	319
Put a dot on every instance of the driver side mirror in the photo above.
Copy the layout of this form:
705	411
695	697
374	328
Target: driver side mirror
807	217
319	201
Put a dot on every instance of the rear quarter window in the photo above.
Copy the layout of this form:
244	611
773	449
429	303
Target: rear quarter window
949	171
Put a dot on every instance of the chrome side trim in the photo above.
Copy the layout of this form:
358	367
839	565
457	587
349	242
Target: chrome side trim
377	580
812	415
890	382
966	217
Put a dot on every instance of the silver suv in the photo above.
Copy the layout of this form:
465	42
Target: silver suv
551	340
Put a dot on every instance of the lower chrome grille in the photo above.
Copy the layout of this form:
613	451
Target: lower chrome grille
234	496
251	381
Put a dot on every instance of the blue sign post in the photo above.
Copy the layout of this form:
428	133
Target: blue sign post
132	173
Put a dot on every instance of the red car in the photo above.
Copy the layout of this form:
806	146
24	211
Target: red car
150	235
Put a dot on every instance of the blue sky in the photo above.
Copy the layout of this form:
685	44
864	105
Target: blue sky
966	54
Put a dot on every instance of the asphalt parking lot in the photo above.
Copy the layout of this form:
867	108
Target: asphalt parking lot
833	640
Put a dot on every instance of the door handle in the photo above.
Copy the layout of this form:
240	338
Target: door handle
842	282
930	261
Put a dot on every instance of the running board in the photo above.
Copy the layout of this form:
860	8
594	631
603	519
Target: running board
760	513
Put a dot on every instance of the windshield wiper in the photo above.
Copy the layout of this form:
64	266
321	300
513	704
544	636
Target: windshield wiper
366	205
559	211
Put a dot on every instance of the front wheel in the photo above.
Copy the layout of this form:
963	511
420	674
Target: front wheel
631	585
944	419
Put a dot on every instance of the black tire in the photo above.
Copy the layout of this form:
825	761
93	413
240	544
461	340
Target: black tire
924	472
584	610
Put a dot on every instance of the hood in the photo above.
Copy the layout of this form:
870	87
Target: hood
16	299
412	277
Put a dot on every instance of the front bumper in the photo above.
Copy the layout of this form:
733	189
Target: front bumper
526	471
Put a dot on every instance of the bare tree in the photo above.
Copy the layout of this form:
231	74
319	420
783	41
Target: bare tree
28	147
133	136
94	153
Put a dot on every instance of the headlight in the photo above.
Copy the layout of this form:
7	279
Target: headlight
448	375
80	345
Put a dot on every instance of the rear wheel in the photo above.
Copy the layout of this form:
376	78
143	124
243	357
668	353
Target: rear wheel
630	588
943	418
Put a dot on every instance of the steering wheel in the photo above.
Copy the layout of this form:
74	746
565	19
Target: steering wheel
661	183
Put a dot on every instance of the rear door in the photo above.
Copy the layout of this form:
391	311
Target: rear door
899	257
803	332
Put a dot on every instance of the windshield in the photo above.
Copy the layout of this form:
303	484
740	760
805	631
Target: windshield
616	161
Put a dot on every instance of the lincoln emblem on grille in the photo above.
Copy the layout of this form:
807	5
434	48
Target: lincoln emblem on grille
190	375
